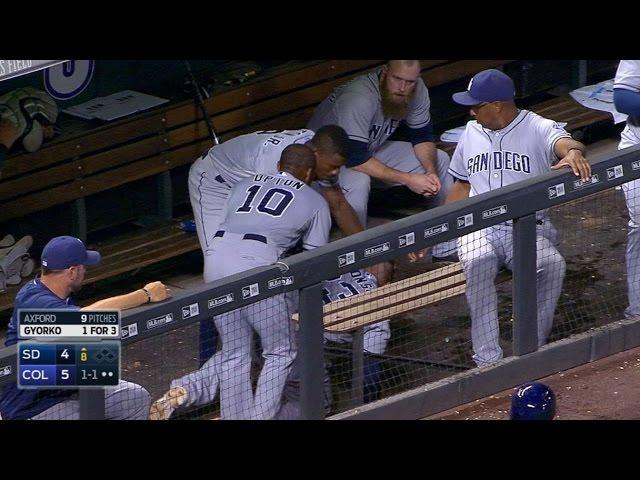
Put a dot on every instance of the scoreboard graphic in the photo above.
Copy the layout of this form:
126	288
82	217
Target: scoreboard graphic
68	349
70	365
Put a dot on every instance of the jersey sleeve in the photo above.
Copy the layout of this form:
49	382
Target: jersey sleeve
628	75
355	113
549	132
419	115
317	234
457	168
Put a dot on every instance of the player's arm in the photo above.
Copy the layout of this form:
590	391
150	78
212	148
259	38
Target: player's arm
459	191
627	101
157	292
373	167
626	87
457	169
316	233
342	212
571	154
428	154
419	131
355	115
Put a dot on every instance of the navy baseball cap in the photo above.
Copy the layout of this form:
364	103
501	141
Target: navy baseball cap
64	252
487	86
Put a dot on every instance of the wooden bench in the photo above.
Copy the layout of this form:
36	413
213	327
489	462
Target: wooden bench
373	306
577	117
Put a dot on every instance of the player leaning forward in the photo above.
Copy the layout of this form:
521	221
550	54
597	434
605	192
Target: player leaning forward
212	176
265	216
502	146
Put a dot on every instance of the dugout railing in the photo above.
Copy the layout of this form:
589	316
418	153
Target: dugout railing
305	272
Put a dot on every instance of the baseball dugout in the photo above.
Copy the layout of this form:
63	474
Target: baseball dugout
426	366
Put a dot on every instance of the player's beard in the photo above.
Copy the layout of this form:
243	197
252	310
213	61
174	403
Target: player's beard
395	106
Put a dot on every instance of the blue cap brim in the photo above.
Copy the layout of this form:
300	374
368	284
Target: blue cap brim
463	98
93	258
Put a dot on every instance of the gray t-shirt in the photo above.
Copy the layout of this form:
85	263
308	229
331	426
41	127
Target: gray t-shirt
356	107
281	208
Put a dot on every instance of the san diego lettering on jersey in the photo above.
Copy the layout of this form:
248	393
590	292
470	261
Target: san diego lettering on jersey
504	160
297	184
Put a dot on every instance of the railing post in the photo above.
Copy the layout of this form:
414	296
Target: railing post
79	219
91	404
164	196
525	305
311	353
579	74
357	376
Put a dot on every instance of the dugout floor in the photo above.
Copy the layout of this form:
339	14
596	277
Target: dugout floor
606	389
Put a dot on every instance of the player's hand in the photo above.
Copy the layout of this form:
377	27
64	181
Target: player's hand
158	291
383	272
576	162
423	184
415	256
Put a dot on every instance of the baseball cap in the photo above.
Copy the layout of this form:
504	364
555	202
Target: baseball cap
64	252
487	86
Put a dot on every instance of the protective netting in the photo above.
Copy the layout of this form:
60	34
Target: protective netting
581	283
431	321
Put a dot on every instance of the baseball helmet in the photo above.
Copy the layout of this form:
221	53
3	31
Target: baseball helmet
533	401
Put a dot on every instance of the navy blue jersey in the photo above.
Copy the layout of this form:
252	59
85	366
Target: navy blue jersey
23	404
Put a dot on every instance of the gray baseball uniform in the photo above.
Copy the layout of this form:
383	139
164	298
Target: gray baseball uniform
376	335
628	78
488	160
212	176
266	215
356	107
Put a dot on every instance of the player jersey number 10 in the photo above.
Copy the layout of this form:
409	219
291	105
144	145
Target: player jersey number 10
280	203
